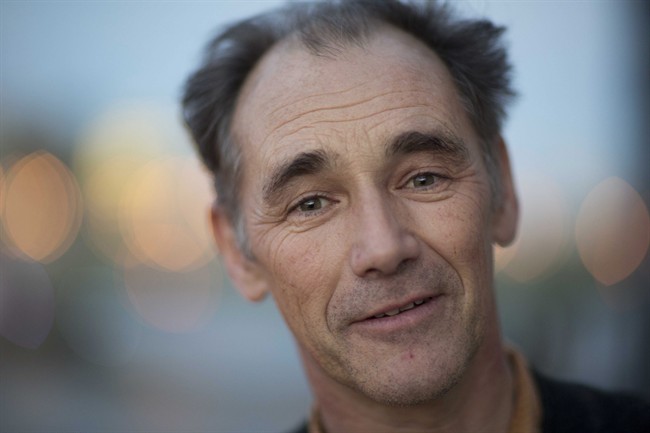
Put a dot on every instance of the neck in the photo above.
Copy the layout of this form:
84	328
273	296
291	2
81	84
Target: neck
481	402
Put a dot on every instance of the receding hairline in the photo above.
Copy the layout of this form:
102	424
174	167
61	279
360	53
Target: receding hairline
292	44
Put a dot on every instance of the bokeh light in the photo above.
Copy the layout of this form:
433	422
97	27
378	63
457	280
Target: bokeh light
164	217
144	200
103	191
129	129
42	208
120	141
612	231
543	237
173	301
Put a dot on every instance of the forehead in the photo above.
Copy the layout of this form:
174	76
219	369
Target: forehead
296	101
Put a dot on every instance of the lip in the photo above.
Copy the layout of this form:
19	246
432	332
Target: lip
397	305
402	321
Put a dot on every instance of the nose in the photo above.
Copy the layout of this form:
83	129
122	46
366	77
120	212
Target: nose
382	244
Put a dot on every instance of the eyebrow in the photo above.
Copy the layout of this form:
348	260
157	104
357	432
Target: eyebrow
304	164
444	145
313	162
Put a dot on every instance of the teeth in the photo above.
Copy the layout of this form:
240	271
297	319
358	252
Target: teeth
406	307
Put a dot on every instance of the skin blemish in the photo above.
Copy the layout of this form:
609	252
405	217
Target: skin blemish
409	355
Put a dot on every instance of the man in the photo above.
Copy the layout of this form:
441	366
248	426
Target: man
362	181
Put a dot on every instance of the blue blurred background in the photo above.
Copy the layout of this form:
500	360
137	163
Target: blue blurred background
115	313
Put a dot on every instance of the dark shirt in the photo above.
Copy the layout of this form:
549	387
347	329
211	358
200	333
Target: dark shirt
569	407
572	408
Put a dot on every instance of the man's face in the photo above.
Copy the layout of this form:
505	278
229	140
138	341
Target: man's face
368	211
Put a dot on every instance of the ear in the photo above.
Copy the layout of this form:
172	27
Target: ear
244	272
506	215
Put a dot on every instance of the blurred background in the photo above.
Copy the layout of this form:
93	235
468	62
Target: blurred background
115	313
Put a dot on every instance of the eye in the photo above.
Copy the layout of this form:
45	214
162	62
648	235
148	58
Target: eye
422	180
310	204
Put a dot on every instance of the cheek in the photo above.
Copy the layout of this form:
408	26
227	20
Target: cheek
470	256
298	261
461	237
304	273
458	231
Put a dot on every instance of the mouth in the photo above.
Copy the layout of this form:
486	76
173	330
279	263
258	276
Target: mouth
399	310
409	316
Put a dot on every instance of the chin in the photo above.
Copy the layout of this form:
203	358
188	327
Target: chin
399	383
415	389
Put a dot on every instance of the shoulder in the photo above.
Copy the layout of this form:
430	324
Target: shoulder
569	407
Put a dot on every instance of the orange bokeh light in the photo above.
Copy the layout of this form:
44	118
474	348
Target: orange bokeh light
612	231
41	209
142	203
113	147
103	190
164	217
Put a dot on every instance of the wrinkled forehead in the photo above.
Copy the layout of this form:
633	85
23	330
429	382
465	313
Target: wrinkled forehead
294	98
